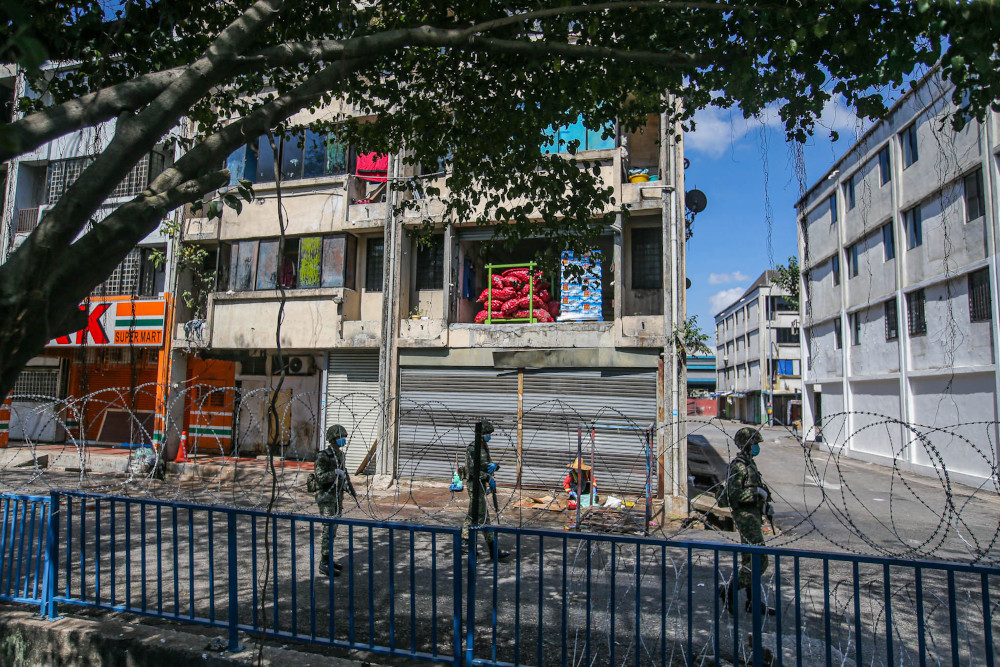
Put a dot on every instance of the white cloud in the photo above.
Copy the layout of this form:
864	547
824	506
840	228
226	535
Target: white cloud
718	130
725	298
723	278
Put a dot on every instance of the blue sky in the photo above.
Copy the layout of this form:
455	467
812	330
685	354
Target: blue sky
744	167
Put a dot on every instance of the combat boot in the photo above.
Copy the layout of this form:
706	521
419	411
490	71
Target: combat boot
727	592
501	555
324	569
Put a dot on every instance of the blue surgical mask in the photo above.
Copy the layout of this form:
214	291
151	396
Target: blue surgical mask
755	450
486	438
341	442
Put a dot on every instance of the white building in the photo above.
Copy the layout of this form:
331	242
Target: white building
898	252
758	331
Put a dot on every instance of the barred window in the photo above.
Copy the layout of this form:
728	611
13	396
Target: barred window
374	258
979	296
430	264
787	335
63	173
647	258
124	280
38	384
916	319
891	320
974	205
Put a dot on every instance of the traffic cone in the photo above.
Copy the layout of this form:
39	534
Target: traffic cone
182	453
5	420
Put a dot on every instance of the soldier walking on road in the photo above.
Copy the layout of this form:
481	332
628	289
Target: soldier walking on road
750	500
328	482
480	489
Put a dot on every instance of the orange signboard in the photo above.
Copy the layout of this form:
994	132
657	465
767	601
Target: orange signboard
119	324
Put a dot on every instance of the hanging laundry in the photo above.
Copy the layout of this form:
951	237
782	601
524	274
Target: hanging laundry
373	167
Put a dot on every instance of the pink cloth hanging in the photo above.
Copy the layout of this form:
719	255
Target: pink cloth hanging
373	167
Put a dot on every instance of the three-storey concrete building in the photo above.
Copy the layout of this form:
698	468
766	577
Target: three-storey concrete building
898	251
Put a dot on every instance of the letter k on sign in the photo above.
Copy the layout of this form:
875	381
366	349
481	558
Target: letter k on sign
93	327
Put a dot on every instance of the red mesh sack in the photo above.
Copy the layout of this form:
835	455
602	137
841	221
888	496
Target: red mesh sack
497	281
483	314
520	314
502	294
543	294
517	272
553	307
543	315
510	307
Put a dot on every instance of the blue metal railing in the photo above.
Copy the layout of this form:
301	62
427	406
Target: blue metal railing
564	597
24	522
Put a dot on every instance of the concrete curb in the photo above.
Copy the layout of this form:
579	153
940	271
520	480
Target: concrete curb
118	640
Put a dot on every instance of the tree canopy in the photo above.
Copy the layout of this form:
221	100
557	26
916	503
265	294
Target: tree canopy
477	84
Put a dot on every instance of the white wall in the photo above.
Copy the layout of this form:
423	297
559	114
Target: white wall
951	339
876	402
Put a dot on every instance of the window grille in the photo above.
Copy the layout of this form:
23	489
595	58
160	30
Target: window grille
647	258
374	261
787	335
891	320
916	319
430	264
40	384
27	219
979	296
63	173
124	280
974	207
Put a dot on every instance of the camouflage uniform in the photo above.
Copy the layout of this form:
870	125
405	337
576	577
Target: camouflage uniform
332	480
748	498
477	510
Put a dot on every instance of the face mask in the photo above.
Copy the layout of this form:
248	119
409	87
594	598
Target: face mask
486	438
755	450
341	442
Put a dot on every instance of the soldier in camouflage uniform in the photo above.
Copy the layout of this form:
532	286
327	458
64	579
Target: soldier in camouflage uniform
486	485
330	481
750	501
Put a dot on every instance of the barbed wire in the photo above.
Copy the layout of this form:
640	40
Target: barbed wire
945	507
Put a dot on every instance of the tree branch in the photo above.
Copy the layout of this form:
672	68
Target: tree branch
601	6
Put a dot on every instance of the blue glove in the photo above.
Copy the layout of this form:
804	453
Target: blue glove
493	484
492	468
572	494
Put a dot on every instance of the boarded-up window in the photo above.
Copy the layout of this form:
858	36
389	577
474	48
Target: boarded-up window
310	265
243	265
267	265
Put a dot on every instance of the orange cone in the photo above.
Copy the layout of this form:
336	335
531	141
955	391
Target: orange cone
182	453
5	420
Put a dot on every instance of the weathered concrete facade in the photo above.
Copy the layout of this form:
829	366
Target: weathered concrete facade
898	252
396	318
757	356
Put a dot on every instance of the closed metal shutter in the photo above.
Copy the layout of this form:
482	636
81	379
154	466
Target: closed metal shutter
437	414
621	402
353	400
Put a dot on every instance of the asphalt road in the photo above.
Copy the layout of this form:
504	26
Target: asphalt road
825	500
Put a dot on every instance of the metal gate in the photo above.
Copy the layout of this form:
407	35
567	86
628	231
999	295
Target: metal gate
437	413
352	398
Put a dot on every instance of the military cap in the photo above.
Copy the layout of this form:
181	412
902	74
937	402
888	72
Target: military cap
335	432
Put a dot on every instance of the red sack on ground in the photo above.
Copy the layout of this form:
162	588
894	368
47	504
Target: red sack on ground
502	294
520	314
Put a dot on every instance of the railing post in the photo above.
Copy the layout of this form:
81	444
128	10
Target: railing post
49	584
234	611
470	600
459	652
755	601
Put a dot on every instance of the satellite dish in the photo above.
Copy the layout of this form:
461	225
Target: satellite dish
695	201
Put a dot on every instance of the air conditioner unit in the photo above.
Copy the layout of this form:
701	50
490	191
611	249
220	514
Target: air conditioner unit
294	365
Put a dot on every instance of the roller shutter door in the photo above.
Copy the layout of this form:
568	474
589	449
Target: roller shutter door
352	399
621	402
437	414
